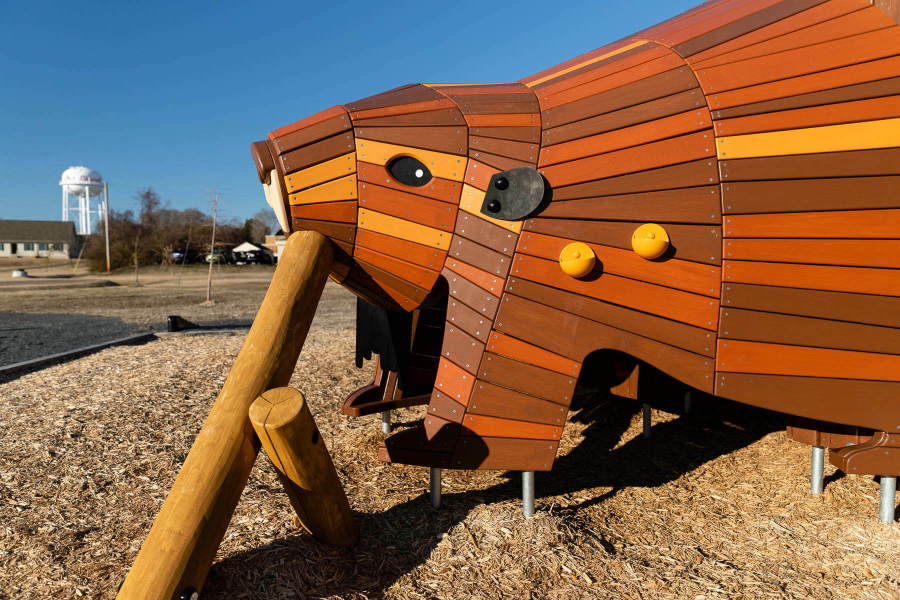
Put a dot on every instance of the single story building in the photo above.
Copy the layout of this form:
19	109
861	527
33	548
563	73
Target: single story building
275	244
37	239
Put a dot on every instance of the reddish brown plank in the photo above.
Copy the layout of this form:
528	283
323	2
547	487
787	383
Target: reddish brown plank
603	68
413	273
402	109
451	140
317	152
496	401
685	205
498	108
394	285
328	211
519	134
483	425
313	133
520	351
502	163
503	453
438	189
478	175
478	256
503	120
469	320
454	381
485	233
858	280
883	254
429	118
343	232
424	256
470	294
414	93
403	205
868	224
483	279
517	150
850	193
807	166
309	121
526	378
717	17
462	349
690	174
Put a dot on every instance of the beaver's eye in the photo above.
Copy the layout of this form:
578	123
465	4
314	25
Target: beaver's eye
409	171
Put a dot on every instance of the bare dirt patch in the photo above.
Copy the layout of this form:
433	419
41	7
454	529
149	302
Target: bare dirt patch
714	505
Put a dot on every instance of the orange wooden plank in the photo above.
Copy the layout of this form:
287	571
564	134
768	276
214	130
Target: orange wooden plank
688	276
478	175
402	109
496	427
444	190
860	280
455	382
408	271
510	347
831	114
713	19
504	120
649	156
315	119
418	209
868	224
778	359
328	211
665	302
883	254
627	137
424	256
482	279
602	71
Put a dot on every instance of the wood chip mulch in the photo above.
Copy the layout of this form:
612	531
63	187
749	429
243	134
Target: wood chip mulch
714	504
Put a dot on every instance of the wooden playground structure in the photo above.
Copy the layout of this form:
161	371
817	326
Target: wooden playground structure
710	203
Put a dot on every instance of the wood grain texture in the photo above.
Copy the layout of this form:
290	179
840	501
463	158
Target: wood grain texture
479	256
488	426
518	134
443	165
677	305
716	17
462	349
503	454
342	232
867	224
685	205
850	193
592	71
410	207
838	306
319	117
437	189
483	279
755	326
689	174
493	400
471	295
451	140
778	359
414	93
577	337
469	320
595	60
455	382
884	254
330	211
809	166
428	118
411	272
527	378
405	293
424	256
503	163
485	233
504	120
523	151
316	153
520	351
333	191
855	402
693	243
859	280
478	175
403	109
405	230
329	170
691	277
314	133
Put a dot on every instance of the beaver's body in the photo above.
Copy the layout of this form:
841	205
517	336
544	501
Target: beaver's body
763	136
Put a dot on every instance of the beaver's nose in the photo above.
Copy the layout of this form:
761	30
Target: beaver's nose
264	161
268	176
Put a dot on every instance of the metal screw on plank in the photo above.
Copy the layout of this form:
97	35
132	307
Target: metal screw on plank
528	494
386	421
435	493
817	472
887	499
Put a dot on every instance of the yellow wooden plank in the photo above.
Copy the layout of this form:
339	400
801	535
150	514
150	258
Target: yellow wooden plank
445	166
339	189
405	230
884	133
587	62
471	200
326	171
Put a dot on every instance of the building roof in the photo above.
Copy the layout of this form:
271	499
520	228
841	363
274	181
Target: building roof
36	231
248	247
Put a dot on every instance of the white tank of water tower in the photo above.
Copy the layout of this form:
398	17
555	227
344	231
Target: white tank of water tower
84	184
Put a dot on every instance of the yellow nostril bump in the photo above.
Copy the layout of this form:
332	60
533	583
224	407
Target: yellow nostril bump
581	262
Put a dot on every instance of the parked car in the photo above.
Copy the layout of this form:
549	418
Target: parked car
176	256
250	257
219	256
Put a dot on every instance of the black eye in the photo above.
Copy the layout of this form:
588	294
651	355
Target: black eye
409	171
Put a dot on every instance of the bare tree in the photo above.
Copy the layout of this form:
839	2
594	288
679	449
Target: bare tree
212	246
149	204
269	220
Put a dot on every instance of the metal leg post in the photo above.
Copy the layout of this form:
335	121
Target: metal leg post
386	421
528	494
435	488
817	472
887	499
646	420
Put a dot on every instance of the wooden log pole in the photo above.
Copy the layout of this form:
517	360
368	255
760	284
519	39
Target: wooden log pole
180	547
290	437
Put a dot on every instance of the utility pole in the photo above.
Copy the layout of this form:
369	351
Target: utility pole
212	249
106	220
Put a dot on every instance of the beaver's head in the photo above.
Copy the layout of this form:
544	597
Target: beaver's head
390	178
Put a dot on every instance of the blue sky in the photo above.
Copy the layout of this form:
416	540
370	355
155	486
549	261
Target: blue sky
170	95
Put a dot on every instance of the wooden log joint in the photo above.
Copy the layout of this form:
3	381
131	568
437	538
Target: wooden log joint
292	441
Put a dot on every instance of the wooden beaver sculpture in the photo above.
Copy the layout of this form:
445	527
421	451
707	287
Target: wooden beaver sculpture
714	198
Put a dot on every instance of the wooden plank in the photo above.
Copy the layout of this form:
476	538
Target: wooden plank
402	109
478	175
520	351
408	271
327	171
462	349
445	166
635	135
576	337
343	232
814	195
309	121
333	191
416	93
856	308
429	118
691	277
454	381
451	140
518	150
712	20
314	133
503	454
677	305
592	71
471	201
330	211
777	359
469	320
467	251
405	230
393	285
858	280
362	285
693	243
690	174
316	153
685	205
672	333
519	134
483	279
437	189
599	57
868	224
498	95
471	295
816	116
526	378
755	326
808	166
493	400
850	253
863	403
499	108
424	256
652	88
411	207
485	233
633	115
649	156
505	120
883	133
500	162
814	82
444	407
474	424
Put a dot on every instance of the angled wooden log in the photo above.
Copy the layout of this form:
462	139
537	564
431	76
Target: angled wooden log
289	434
180	547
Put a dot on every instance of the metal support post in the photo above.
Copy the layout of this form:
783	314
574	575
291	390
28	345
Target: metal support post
435	488
386	421
528	494
646	420
817	472
887	499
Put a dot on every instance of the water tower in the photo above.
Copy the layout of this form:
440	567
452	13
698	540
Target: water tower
84	184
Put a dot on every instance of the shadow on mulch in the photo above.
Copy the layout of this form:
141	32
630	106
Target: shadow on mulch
405	535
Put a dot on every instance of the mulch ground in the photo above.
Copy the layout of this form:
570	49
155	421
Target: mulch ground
714	504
